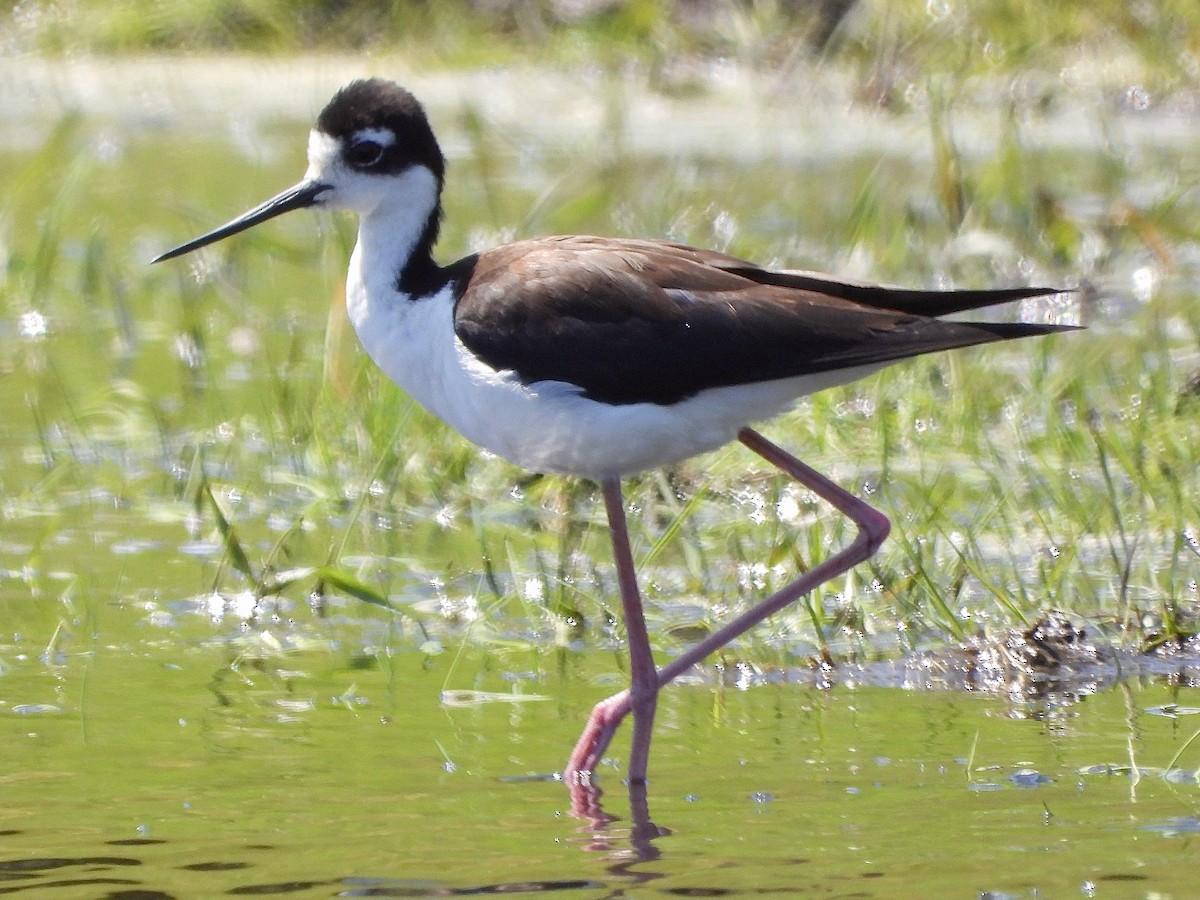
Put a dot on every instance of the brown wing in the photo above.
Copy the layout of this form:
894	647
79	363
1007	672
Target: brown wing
647	321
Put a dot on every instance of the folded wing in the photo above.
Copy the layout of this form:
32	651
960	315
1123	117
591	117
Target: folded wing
647	321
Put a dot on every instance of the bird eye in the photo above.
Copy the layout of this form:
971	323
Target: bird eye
364	153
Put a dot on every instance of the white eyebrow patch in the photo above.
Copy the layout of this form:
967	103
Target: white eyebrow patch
325	150
384	137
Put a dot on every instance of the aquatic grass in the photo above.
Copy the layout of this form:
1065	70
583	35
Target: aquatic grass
1050	473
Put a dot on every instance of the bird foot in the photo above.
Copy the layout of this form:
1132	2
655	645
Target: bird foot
601	725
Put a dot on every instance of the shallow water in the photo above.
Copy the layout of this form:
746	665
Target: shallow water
202	770
162	729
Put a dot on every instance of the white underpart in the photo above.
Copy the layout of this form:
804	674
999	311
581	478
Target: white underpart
544	427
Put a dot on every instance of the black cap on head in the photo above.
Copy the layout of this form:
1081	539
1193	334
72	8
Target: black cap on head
378	103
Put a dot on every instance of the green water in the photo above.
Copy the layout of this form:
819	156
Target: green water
203	770
165	729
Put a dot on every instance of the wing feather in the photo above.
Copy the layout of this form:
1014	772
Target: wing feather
647	321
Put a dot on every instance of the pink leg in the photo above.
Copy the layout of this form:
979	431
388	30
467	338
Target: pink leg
873	527
642	696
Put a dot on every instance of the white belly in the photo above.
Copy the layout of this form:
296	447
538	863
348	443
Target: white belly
549	426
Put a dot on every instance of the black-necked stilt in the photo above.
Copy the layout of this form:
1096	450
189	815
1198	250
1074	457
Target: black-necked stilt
601	357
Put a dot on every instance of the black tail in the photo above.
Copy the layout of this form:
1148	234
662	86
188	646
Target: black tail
1006	331
920	334
917	302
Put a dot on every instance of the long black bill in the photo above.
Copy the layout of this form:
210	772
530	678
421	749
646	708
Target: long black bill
298	196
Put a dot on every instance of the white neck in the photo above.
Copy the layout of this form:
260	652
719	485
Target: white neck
390	224
393	211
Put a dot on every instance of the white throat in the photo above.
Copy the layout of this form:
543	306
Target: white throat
393	212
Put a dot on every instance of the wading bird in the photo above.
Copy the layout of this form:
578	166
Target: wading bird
601	357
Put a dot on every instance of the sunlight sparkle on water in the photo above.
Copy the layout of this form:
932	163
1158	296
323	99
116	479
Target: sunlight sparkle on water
788	507
1145	279
32	325
938	9
1137	97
